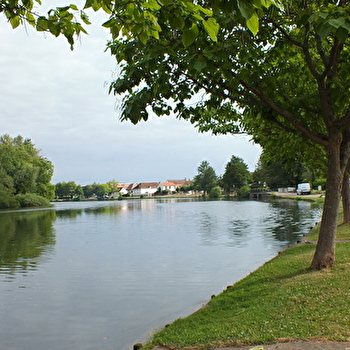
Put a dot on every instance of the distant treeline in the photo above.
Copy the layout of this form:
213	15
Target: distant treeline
72	191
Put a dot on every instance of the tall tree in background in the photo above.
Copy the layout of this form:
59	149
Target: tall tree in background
236	174
113	186
206	178
290	69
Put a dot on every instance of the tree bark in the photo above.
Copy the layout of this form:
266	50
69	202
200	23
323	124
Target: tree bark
346	195
324	257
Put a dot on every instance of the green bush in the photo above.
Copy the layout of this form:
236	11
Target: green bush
243	192
32	200
319	182
7	200
215	192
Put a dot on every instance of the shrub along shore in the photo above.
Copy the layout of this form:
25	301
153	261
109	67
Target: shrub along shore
282	300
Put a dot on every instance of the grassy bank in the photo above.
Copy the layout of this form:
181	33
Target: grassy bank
282	300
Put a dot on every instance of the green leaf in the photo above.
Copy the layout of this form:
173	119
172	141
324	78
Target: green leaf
336	23
143	36
15	21
212	28
165	2
88	4
190	35
54	28
177	22
206	11
346	26
199	65
109	24
151	5
85	18
62	9
30	18
155	34
324	30
253	23
257	3
266	3
96	5
42	24
246	9
342	34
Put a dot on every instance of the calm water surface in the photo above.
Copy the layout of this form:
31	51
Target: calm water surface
102	275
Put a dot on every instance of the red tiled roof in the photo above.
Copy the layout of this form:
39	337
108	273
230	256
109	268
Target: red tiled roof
180	183
148	185
167	184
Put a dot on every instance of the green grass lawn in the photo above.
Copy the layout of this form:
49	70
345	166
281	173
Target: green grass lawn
281	300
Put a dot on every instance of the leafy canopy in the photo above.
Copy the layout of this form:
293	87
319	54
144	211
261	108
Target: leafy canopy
198	61
58	21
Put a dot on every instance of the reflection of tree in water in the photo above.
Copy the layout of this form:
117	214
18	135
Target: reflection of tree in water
24	237
68	213
291	218
113	209
213	226
237	230
74	213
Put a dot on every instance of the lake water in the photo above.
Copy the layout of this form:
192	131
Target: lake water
103	275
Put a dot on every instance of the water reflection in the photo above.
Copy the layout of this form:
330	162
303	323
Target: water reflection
236	223
24	238
108	210
69	213
102	274
289	218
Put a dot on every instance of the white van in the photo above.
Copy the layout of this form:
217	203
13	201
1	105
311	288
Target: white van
304	188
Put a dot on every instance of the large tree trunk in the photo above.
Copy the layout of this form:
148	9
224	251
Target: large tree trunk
345	193
325	250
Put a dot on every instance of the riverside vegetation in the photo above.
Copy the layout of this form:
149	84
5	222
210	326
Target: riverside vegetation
25	175
282	300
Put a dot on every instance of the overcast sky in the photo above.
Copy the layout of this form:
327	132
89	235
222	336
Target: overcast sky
59	99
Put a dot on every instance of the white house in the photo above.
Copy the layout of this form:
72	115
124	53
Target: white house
167	186
123	189
127	188
145	189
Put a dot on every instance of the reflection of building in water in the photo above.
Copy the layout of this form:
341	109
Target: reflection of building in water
137	205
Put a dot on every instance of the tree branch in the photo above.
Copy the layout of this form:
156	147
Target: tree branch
320	139
332	66
286	35
320	50
344	122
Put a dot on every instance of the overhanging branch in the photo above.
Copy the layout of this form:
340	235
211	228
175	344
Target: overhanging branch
287	115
